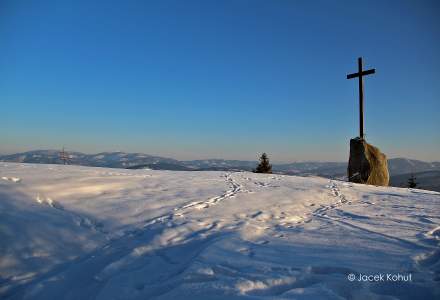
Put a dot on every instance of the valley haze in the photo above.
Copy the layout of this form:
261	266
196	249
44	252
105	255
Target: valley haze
427	173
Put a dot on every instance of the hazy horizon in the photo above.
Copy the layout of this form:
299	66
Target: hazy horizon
231	79
207	157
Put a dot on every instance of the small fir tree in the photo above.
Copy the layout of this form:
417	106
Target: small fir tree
412	183
264	166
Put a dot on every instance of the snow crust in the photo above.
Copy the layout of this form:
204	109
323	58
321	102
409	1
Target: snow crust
71	232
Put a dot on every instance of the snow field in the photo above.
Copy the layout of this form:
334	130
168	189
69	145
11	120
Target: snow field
71	232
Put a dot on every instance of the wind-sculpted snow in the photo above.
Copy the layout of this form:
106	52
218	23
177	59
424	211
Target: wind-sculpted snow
70	232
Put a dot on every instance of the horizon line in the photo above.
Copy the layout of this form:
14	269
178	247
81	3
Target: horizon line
167	157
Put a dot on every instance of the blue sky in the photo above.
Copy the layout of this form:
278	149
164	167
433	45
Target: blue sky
224	79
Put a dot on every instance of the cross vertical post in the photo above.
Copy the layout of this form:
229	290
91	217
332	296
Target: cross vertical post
361	100
359	75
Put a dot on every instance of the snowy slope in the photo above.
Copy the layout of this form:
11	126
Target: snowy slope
70	232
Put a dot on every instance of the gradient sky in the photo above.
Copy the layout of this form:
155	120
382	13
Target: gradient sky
223	79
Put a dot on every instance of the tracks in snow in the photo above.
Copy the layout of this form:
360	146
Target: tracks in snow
336	192
173	246
235	188
321	212
344	218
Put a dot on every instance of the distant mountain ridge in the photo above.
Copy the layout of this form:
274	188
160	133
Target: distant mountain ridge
397	166
427	180
103	159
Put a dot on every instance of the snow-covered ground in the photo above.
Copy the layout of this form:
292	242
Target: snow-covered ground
70	232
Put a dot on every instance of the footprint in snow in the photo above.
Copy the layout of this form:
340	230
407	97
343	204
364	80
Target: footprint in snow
12	179
435	233
423	219
265	242
48	201
256	214
247	251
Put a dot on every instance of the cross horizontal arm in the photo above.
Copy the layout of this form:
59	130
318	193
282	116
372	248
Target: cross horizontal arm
363	73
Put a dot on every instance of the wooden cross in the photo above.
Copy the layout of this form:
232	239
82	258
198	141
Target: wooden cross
359	74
